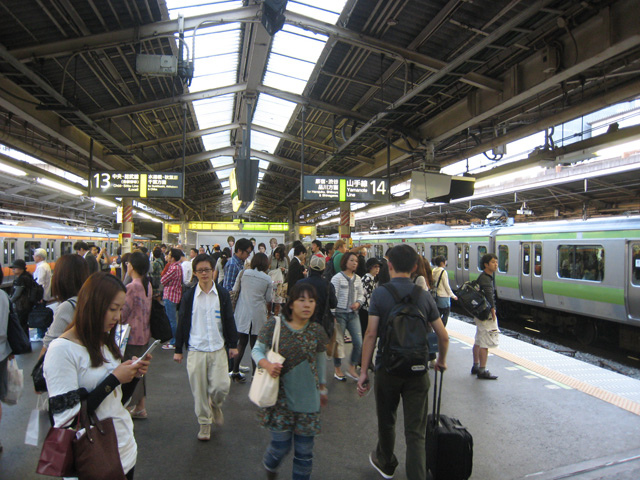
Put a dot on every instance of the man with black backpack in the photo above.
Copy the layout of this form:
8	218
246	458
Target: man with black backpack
402	315
487	331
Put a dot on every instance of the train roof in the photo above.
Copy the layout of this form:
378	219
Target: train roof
561	226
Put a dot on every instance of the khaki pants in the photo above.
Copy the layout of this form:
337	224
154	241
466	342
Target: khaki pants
209	380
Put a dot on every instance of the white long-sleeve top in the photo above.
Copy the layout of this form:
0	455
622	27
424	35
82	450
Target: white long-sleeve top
67	367
348	291
444	289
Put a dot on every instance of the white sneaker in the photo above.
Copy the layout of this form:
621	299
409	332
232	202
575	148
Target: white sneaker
205	433
244	369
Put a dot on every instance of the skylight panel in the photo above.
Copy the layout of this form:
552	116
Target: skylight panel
224	184
327	11
215	111
263	142
198	7
216	140
298	43
263	164
273	112
222	161
224	173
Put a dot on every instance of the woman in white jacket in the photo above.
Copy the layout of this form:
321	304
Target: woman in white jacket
444	294
350	296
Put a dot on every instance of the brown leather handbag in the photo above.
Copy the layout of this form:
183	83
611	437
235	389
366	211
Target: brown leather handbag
96	452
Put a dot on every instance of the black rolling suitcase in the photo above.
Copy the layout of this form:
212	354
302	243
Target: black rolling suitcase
449	445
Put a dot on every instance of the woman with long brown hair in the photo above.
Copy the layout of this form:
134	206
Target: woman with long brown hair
84	363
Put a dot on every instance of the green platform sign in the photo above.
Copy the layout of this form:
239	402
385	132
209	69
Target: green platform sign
345	189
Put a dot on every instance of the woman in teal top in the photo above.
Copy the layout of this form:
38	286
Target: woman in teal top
296	415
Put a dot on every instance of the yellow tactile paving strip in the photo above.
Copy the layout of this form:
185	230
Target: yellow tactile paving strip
599	393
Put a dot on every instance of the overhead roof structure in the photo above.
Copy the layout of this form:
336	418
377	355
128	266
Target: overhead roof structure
437	81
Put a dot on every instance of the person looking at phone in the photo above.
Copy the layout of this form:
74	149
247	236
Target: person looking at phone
389	388
136	313
206	324
85	363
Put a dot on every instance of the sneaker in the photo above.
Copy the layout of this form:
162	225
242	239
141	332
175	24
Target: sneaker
168	346
218	416
474	370
340	378
486	375
374	463
239	377
244	369
205	433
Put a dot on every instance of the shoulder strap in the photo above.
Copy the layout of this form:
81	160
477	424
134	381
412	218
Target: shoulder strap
439	279
393	291
73	303
415	293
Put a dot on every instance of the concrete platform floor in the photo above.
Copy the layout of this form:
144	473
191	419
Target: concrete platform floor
523	426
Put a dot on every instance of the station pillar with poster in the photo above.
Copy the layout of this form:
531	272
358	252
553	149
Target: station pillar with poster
127	224
344	229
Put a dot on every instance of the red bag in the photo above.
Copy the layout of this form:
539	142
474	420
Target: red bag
56	458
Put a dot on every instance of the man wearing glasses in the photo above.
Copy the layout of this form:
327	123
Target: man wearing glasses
204	306
235	265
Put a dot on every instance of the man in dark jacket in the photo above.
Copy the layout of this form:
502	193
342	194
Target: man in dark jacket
316	267
296	267
82	249
206	324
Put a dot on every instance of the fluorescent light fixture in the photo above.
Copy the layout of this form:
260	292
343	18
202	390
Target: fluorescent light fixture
11	170
103	202
157	220
328	222
59	186
143	215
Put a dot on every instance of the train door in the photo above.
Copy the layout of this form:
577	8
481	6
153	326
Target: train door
633	293
531	272
9	251
50	248
462	263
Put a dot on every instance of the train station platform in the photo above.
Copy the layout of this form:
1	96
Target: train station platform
546	417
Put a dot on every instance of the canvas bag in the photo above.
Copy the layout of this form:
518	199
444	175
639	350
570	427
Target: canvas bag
264	388
15	383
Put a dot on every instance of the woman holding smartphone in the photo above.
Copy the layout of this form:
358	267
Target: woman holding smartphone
85	363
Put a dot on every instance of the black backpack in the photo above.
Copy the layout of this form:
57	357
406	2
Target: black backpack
36	292
405	352
473	300
329	270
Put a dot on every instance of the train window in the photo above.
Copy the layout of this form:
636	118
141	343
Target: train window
537	259
581	262
29	248
66	248
503	258
9	252
526	259
466	257
482	251
635	267
459	264
378	251
437	250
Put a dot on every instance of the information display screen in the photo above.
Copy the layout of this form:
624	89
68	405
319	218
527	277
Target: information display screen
345	189
137	184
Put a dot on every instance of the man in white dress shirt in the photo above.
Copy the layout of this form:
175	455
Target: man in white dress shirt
206	324
42	276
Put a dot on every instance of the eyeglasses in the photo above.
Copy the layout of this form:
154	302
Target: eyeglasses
204	270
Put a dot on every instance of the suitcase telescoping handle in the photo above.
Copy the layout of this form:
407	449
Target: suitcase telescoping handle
437	394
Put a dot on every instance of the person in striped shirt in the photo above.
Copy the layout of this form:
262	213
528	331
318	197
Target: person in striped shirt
171	280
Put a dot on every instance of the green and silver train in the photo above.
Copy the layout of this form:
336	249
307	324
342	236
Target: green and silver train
577	275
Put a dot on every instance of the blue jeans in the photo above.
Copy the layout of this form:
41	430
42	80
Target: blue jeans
350	321
302	453
172	314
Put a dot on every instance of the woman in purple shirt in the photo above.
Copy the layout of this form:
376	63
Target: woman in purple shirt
136	312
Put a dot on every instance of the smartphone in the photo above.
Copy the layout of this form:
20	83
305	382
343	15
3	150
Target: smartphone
151	348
